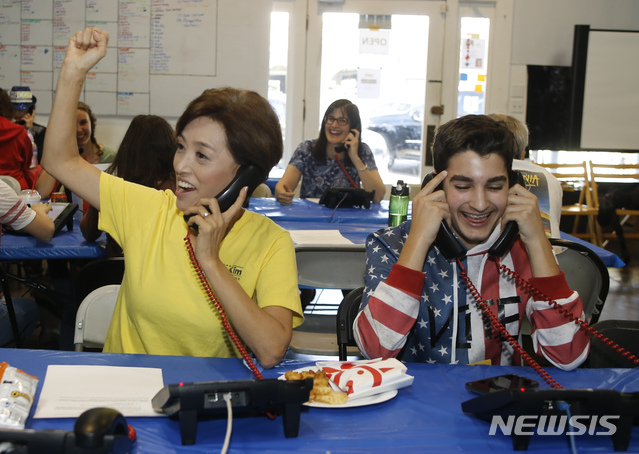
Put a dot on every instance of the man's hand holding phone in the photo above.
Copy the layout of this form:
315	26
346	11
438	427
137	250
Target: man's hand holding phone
429	210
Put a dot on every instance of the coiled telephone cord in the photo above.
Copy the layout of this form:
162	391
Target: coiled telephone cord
566	313
501	329
225	321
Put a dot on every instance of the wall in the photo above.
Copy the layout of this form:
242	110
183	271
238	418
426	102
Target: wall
543	29
161	54
542	35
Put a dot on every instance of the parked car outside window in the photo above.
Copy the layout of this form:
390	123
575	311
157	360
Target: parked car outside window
400	125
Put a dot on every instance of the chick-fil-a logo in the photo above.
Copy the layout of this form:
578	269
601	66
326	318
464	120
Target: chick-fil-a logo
336	374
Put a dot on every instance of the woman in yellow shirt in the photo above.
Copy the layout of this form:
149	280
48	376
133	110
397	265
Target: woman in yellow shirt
163	307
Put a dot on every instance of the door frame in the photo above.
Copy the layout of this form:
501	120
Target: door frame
305	39
435	9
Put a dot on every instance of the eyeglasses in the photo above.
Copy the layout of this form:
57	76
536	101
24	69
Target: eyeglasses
342	121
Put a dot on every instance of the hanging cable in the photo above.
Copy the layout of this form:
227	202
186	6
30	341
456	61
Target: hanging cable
229	423
345	172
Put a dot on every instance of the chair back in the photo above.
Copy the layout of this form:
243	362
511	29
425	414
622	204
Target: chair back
578	174
625	333
11	182
98	273
262	191
335	267
346	313
94	275
94	317
586	273
575	173
612	173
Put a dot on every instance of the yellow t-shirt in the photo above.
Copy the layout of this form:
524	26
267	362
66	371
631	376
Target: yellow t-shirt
162	308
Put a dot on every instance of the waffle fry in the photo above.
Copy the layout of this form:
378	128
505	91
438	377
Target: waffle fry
322	391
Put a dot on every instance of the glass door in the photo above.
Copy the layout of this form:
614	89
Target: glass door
386	57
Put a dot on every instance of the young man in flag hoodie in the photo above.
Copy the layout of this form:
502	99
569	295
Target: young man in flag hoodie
416	305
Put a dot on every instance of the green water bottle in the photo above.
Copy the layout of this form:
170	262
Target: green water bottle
398	208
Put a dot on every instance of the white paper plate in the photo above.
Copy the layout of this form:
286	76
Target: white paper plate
350	403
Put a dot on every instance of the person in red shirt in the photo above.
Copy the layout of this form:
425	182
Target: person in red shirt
15	144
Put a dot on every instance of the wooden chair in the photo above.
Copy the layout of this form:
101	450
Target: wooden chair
578	175
616	173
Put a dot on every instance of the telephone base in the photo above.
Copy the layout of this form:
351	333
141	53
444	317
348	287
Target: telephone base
587	406
190	402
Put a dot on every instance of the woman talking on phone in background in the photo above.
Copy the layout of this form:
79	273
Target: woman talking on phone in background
337	158
248	261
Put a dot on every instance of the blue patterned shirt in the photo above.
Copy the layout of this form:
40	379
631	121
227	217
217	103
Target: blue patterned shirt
320	175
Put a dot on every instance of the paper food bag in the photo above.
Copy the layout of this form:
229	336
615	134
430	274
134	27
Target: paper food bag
367	377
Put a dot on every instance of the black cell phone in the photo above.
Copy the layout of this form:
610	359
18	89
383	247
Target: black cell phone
248	175
500	383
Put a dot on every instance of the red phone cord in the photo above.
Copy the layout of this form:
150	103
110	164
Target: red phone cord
345	172
220	309
566	313
499	327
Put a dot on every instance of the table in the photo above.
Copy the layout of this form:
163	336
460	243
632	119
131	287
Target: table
425	417
356	223
610	259
65	245
307	210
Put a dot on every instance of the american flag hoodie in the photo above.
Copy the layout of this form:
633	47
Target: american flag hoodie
430	316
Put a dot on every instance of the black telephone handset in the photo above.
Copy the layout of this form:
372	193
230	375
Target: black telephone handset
248	175
451	248
351	112
342	147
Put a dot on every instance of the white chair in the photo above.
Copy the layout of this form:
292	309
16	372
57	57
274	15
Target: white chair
11	182
325	267
94	317
262	191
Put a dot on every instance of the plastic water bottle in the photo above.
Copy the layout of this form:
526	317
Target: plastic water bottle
398	208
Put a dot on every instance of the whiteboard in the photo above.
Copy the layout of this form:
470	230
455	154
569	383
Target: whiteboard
161	53
610	118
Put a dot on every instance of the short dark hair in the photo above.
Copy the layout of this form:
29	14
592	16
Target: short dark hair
145	155
252	128
478	133
352	112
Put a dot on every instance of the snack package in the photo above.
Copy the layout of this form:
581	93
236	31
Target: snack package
17	391
367	377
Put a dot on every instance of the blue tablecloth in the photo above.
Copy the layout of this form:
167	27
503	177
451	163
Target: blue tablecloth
425	417
355	223
65	245
303	210
610	259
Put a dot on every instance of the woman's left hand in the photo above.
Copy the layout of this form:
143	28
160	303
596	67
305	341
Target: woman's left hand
352	143
213	225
